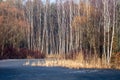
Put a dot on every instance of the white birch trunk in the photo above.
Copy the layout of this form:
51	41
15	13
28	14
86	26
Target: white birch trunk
113	28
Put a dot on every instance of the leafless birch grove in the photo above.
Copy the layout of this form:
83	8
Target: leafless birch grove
65	27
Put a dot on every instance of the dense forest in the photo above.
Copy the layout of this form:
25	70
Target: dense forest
36	28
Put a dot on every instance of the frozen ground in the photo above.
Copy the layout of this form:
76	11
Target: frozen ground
14	70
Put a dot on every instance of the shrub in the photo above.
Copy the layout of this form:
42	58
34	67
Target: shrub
19	53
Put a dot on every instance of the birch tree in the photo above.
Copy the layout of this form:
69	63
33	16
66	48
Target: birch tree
113	29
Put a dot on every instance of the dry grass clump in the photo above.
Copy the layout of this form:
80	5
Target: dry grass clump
55	56
92	62
115	60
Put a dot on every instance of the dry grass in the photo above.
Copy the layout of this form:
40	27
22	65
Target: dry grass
55	56
64	63
29	57
77	63
115	60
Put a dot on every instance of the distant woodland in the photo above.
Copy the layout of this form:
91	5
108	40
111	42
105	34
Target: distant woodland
36	28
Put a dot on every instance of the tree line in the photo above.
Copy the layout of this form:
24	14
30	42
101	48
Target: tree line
90	27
